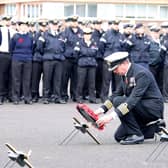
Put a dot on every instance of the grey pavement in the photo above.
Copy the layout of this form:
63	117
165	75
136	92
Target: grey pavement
42	128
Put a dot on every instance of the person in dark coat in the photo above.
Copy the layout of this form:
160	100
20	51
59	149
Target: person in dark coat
86	70
21	48
96	35
156	56
138	46
137	101
53	56
37	64
164	43
110	42
71	35
5	59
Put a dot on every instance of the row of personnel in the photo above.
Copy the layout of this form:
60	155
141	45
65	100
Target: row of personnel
74	56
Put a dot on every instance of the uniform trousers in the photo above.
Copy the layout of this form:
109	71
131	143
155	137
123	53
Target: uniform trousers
136	120
5	74
86	74
52	78
21	79
69	77
37	70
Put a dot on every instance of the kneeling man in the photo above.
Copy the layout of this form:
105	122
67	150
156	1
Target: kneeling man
137	101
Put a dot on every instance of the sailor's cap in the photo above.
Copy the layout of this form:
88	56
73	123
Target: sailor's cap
155	28
126	25
87	30
22	21
164	25
6	17
138	25
43	23
115	59
54	22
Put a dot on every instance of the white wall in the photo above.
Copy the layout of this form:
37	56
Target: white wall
105	11
53	10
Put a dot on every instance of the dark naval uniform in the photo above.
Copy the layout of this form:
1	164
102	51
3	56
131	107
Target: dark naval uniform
96	35
137	101
86	70
53	58
70	64
110	43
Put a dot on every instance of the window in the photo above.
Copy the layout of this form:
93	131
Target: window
130	11
151	11
141	11
119	11
92	10
31	10
163	12
82	10
68	9
10	9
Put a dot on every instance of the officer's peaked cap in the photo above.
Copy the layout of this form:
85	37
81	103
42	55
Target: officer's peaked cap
43	23
22	21
54	22
115	59
6	17
126	25
138	25
164	25
87	30
73	18
154	28
98	21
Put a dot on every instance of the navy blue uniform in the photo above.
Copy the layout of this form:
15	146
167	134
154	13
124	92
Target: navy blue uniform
156	59
70	64
5	64
21	48
86	70
53	57
138	47
164	42
137	102
110	43
37	66
96	35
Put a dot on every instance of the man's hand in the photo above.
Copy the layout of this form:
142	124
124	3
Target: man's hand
106	118
99	111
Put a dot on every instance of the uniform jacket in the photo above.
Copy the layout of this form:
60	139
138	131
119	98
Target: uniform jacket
139	48
138	86
96	35
54	47
86	54
38	47
71	38
155	57
110	42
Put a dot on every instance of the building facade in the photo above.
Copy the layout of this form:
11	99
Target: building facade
146	10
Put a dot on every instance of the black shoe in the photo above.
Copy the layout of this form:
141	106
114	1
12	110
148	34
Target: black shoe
60	101
132	139
1	100
16	102
28	102
93	101
80	101
35	99
164	137
45	101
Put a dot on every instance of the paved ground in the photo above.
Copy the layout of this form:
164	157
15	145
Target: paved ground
41	128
